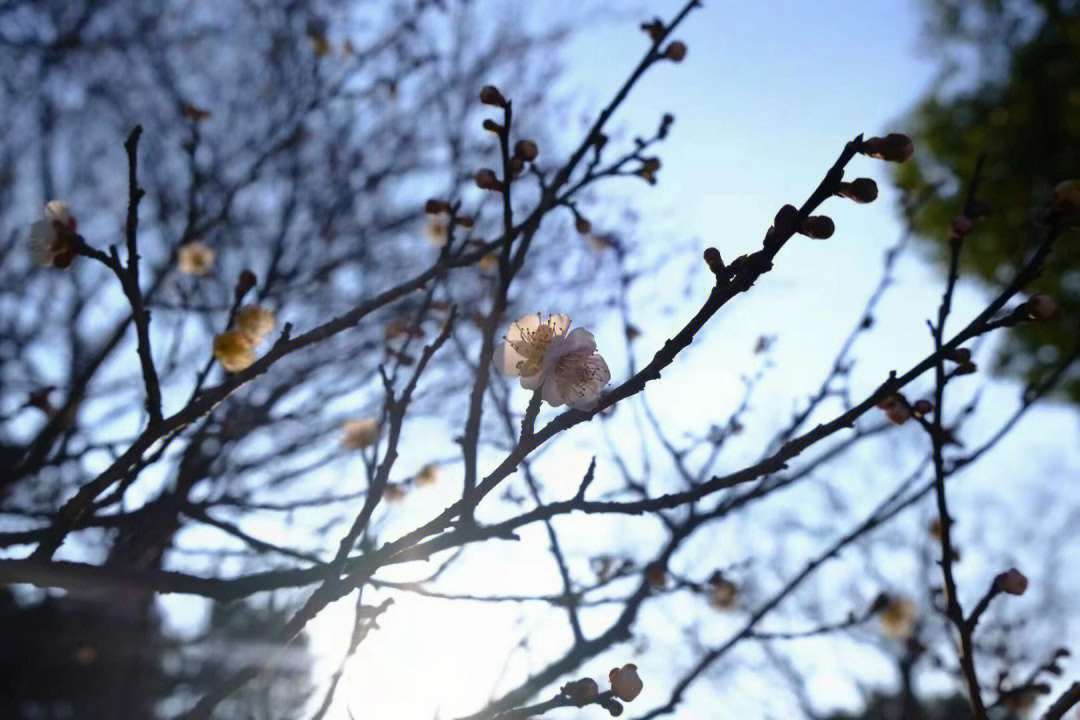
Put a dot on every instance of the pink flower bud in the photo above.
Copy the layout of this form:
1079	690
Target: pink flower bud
526	150
861	190
1012	581
818	227
676	51
1040	307
625	683
490	95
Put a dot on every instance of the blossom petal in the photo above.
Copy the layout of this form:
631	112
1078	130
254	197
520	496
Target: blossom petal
57	211
531	382
559	323
553	395
506	359
524	324
579	340
603	374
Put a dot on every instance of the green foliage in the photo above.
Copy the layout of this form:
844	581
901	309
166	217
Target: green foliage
1019	105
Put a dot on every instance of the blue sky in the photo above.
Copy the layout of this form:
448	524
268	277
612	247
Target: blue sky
766	98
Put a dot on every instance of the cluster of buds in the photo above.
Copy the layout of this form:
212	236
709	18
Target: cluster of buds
962	357
1011	582
894	147
861	190
897	409
676	51
235	348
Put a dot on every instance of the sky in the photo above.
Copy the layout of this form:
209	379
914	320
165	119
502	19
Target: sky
764	102
766	98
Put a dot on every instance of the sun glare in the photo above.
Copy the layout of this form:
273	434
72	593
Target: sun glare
428	658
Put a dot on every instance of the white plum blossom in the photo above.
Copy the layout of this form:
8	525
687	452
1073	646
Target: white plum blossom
562	364
51	239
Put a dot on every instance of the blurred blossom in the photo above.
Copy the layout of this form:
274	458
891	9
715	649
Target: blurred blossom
194	258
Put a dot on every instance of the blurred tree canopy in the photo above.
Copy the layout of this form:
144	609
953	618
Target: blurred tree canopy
1009	90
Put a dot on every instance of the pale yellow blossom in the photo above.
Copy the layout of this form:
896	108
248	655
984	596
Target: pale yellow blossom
234	350
194	258
360	433
255	321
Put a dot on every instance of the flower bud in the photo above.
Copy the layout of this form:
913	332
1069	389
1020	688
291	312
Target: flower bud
436	207
818	227
1065	199
786	220
960	226
581	692
517	165
713	259
861	190
486	180
922	407
1040	307
894	147
965	368
1012	582
582	225
465	221
492	127
490	95
244	283
897	410
676	51
958	355
656	575
625	683
526	150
